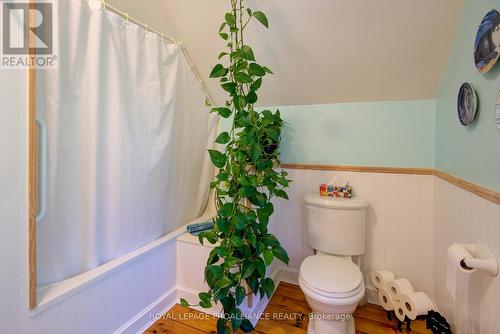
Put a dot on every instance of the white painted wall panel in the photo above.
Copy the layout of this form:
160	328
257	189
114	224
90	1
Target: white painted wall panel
399	224
11	89
461	216
90	321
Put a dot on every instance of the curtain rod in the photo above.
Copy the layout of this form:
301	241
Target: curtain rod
127	18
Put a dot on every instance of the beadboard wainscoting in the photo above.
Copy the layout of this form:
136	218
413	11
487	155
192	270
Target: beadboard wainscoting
399	227
119	303
461	216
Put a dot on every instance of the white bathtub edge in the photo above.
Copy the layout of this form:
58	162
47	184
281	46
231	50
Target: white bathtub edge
52	294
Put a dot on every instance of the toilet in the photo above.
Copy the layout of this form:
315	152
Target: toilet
332	283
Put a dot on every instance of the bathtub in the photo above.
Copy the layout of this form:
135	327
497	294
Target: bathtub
52	294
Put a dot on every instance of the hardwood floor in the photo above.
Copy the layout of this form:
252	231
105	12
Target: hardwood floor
287	313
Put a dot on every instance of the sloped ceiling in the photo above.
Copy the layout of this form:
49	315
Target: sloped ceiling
322	51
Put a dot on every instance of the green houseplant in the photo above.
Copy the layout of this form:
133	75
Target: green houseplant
246	181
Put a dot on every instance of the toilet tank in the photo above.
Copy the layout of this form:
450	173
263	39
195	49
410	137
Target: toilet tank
336	225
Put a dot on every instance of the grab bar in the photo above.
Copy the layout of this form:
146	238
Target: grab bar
42	177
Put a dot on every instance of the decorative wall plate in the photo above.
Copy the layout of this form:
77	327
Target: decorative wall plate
487	43
466	104
497	111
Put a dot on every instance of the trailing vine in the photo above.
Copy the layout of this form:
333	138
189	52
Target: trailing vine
246	181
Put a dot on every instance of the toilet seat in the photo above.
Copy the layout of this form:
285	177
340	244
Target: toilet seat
331	277
332	297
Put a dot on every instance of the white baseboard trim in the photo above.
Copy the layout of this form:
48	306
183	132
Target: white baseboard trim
371	295
145	318
288	275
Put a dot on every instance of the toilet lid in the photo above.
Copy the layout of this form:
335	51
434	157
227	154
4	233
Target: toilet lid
330	274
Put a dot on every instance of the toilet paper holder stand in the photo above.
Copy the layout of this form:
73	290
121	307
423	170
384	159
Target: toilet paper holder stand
481	258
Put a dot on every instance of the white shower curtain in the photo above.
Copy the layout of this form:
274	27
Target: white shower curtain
128	133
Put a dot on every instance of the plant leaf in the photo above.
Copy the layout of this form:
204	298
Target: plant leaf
213	258
222	176
223	225
223	111
260	266
247	191
247	53
256	84
268	256
243	77
184	303
247	269
281	254
267	70
261	17
226	210
240	102
263	216
239	294
221	251
212	274
218	71
222	54
204	296
223	138
224	282
230	262
230	19
222	328
252	238
236	319
218	158
253	283
251	97
229	87
268	286
238	222
236	241
256	69
205	304
281	193
246	326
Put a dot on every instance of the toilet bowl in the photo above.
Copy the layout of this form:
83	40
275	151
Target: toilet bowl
332	284
333	287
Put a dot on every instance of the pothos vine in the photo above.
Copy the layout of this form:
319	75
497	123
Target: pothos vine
246	181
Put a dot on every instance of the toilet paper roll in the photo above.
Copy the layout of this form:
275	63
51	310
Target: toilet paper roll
456	254
381	278
399	287
385	299
400	312
415	304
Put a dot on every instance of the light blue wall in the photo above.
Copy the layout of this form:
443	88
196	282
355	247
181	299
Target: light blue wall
388	134
399	134
471	153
